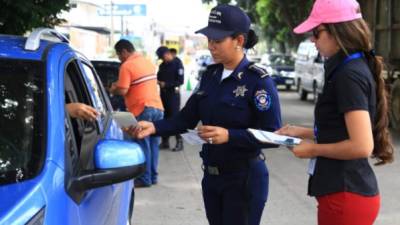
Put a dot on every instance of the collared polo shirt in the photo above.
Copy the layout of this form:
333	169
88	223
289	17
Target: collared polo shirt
347	87
138	75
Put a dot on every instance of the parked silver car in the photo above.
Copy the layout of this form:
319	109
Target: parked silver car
309	70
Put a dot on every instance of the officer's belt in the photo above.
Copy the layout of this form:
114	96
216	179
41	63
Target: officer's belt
232	167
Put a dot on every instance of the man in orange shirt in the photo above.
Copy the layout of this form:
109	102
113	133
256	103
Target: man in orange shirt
137	82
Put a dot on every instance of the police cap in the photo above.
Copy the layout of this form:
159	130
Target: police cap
161	51
225	20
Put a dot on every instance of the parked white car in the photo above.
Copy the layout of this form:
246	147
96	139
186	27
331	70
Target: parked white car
309	70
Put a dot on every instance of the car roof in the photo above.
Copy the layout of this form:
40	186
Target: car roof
14	47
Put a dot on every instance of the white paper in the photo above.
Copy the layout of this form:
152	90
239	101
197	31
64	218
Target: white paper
270	137
311	166
124	119
192	137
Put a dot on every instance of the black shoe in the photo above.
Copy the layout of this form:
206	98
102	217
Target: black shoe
140	184
164	145
179	146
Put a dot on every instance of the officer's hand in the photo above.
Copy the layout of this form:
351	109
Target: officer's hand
82	111
304	150
213	134
141	130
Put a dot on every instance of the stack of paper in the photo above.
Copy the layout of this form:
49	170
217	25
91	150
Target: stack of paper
272	138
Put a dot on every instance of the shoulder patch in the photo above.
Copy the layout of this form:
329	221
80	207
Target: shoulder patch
258	69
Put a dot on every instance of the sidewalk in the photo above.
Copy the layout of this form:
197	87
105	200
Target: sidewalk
176	199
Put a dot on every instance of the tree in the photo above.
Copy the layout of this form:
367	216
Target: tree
20	16
276	18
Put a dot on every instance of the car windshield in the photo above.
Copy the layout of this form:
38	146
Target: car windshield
21	119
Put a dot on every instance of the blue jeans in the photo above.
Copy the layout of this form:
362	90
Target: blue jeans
150	146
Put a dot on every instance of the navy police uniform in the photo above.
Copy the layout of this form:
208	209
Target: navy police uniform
172	74
235	183
349	85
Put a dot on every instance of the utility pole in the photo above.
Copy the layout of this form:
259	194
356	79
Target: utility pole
112	23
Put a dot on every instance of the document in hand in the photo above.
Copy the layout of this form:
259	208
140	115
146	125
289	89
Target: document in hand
124	119
270	137
192	137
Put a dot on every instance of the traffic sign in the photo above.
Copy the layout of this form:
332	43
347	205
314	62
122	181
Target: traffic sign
123	10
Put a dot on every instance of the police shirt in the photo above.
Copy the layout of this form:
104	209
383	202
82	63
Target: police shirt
171	73
348	86
246	99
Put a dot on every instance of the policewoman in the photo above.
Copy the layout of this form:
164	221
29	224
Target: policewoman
170	77
233	95
351	122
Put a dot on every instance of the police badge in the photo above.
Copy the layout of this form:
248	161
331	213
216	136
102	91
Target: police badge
262	100
240	91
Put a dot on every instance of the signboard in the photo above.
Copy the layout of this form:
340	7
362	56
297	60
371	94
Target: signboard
123	10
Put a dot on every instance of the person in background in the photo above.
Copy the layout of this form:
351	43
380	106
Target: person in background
174	52
170	77
233	95
137	82
351	122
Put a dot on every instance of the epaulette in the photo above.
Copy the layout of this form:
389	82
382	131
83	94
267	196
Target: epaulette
258	69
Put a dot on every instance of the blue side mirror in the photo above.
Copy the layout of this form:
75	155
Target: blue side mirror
110	154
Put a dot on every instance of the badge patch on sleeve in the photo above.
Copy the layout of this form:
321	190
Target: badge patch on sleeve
262	100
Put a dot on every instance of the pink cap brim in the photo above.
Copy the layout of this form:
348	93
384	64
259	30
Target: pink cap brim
306	26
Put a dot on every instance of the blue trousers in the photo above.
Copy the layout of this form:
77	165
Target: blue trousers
236	198
150	146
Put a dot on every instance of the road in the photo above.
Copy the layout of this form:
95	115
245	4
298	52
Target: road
177	199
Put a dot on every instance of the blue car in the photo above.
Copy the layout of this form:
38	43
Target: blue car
55	169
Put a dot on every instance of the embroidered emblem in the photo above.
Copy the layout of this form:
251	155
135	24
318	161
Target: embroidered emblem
240	91
240	75
262	100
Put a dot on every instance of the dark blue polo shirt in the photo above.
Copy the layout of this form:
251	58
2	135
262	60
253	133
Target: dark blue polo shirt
347	87
171	73
246	99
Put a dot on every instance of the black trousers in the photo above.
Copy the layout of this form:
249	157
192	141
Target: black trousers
171	99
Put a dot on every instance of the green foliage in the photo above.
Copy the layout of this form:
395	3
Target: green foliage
276	18
20	16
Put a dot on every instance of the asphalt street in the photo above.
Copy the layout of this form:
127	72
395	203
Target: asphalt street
177	199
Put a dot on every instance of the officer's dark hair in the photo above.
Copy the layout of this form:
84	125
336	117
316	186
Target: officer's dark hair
124	44
250	39
356	36
173	50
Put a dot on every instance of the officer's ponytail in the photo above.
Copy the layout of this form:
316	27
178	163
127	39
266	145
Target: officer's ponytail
251	39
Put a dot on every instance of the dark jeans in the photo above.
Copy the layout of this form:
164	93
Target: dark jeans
150	146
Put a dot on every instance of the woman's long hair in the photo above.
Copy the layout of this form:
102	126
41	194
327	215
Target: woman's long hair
356	36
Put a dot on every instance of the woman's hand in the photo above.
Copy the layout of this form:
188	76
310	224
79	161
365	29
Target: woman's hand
304	150
142	130
213	134
296	131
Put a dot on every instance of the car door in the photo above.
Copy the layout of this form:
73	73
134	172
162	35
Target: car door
95	206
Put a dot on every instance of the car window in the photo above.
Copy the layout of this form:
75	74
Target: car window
303	51
85	133
22	149
99	100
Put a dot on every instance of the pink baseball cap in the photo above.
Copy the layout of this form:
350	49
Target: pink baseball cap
330	11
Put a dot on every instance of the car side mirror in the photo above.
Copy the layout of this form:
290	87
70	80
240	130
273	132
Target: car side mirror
115	161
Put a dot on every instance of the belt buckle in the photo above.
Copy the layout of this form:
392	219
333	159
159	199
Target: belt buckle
213	170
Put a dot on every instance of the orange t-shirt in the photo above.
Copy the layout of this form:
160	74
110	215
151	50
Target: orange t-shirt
138	74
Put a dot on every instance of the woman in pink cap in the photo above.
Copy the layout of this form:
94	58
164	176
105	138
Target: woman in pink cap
351	121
